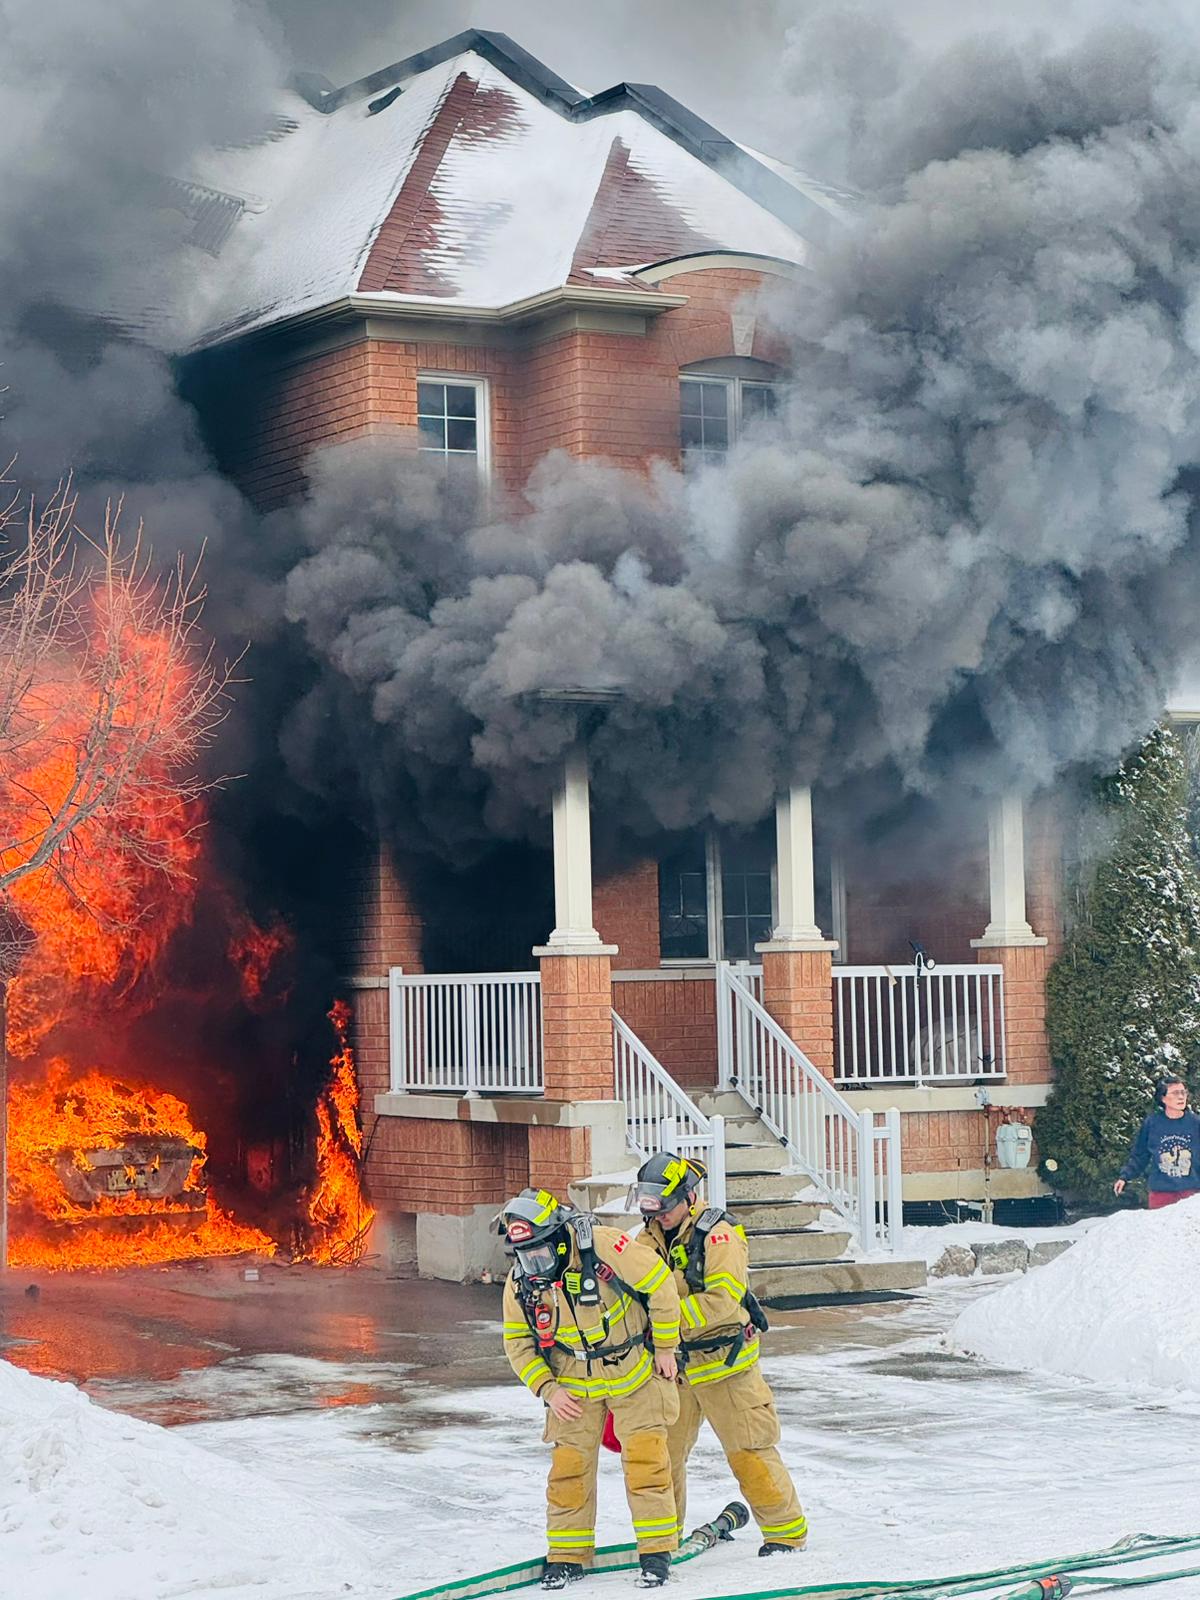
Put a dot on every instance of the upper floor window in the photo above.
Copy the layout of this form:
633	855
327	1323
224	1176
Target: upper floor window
452	420
714	409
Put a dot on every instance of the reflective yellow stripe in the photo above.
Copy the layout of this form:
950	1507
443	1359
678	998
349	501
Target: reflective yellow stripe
726	1281
548	1204
713	1371
651	1524
511	1328
571	1538
665	1330
537	1368
631	1380
785	1530
618	1308
692	1314
656	1276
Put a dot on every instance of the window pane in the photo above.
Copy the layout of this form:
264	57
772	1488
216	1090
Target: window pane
735	939
683	902
758	893
431	399
691	432
460	435
433	433
715	400
759	400
460	400
716	434
689	398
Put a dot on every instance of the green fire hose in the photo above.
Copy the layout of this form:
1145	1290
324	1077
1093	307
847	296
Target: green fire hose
1035	1580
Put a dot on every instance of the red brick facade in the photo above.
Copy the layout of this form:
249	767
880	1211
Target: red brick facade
608	392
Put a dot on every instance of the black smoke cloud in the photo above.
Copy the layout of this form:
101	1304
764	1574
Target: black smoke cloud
965	555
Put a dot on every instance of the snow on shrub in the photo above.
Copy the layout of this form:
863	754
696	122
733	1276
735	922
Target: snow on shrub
1119	1308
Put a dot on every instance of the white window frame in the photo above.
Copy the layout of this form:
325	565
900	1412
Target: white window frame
715	908
734	383
483	417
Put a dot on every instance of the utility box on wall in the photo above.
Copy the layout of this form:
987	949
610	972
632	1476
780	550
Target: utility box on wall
1014	1144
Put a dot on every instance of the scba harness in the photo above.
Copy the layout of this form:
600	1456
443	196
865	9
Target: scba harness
689	1259
579	1288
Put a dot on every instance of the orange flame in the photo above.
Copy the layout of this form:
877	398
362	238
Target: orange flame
339	1214
62	1120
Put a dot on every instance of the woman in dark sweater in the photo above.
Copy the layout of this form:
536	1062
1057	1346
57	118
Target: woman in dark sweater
1168	1142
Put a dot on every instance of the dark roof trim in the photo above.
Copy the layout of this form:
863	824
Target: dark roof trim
697	137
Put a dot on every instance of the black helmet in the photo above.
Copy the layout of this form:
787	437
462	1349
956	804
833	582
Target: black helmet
534	1225
665	1180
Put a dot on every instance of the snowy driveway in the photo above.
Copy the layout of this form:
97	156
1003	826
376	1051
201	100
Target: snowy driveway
405	1427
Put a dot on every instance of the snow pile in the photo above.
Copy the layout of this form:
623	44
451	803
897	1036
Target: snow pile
1120	1307
99	1504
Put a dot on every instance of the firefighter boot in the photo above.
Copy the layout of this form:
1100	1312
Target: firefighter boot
558	1574
656	1569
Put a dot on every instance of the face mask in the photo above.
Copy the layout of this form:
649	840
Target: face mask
538	1262
650	1199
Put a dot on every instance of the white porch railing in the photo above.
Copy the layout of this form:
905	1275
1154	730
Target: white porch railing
894	1025
659	1115
466	1033
855	1161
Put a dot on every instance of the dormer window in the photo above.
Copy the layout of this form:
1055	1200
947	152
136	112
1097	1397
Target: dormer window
718	402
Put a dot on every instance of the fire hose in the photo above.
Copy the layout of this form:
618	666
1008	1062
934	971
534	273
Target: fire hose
1034	1580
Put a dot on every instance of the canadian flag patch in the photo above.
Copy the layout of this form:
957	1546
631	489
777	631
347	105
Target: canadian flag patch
621	1243
720	1238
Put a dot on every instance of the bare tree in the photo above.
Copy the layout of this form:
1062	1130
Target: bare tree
108	697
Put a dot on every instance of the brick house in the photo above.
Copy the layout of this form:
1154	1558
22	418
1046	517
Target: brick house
393	257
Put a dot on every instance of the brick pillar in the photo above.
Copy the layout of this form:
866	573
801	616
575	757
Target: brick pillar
798	992
559	1157
577	1044
1027	1047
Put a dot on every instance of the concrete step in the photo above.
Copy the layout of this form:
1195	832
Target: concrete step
589	1193
766	1215
748	1130
755	1157
774	1282
726	1103
796	1245
743	1187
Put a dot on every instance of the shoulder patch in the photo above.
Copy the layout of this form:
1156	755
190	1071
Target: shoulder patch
622	1242
724	1237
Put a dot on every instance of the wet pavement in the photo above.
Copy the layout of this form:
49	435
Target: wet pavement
197	1342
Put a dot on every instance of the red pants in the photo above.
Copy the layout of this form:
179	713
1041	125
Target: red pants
1167	1197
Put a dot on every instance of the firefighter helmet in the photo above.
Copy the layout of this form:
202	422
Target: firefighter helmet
534	1225
665	1180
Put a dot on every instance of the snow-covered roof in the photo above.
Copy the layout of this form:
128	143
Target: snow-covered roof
471	177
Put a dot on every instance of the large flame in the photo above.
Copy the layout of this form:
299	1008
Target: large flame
67	1115
96	922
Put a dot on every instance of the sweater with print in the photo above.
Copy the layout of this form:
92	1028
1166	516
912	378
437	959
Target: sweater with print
1170	1148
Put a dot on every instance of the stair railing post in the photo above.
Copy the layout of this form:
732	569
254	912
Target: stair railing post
895	1180
716	1165
668	1135
724	1004
865	1155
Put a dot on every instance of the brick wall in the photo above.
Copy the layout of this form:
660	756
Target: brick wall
625	905
951	1141
676	1021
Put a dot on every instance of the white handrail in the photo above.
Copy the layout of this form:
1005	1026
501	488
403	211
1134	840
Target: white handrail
839	1147
659	1115
466	1033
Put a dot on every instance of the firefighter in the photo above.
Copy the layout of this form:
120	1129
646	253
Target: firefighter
591	1325
720	1379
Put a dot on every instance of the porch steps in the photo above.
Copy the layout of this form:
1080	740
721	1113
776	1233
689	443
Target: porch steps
796	1259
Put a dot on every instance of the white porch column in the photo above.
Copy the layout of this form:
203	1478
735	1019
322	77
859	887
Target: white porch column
794	866
573	929
1008	924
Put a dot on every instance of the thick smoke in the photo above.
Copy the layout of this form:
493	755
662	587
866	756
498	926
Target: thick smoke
964	554
965	558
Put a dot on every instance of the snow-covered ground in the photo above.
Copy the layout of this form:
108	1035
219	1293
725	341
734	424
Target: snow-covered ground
371	1480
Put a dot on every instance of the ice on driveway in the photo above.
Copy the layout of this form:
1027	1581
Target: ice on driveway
1120	1308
